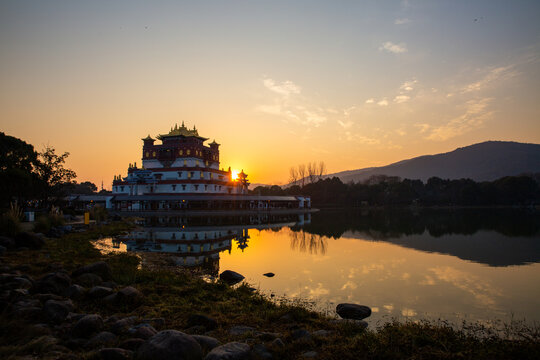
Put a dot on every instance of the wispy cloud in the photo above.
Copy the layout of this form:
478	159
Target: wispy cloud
407	86
289	105
370	101
393	48
492	75
401	99
422	127
383	102
285	88
402	21
361	139
476	113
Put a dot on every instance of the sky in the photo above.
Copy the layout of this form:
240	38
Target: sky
277	83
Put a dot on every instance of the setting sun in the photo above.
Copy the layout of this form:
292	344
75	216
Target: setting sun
234	175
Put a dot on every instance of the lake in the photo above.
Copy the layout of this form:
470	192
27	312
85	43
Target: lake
468	264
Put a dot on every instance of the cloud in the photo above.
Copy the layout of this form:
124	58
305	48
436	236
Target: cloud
286	88
370	101
345	124
383	102
393	48
401	99
423	127
402	21
476	113
407	86
361	139
493	74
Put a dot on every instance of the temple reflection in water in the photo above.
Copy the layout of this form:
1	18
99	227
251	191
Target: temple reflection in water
196	242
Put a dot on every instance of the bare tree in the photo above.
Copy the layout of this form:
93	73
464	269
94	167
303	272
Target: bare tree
293	175
322	169
312	170
302	173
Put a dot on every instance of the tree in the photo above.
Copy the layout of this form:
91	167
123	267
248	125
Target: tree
322	170
51	171
293	175
302	173
18	161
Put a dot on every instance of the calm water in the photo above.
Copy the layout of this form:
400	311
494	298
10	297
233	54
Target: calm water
457	265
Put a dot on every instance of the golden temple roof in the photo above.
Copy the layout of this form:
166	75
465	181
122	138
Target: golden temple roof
181	131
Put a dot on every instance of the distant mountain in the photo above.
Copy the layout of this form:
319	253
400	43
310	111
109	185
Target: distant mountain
485	161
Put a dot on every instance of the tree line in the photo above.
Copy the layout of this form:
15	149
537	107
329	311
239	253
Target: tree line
384	190
27	175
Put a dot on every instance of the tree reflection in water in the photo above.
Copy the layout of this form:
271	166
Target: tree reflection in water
303	241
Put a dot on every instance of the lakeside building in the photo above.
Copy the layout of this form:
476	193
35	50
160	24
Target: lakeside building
183	173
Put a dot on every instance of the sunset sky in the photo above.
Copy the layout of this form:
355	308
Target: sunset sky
278	83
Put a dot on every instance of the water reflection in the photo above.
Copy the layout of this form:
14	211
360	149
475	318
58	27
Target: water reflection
452	264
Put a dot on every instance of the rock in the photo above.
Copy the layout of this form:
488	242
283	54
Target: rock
29	240
99	292
128	296
89	280
240	330
55	283
207	342
300	334
353	311
74	291
231	277
28	313
169	344
21	283
268	336
322	333
131	344
103	339
88	325
360	323
57	311
7	242
100	268
310	354
114	354
155	322
278	343
203	320
230	351
262	351
270	274
121	326
143	331
109	284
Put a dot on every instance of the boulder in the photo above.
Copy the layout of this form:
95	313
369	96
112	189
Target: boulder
269	274
206	342
143	331
122	325
203	320
229	351
126	296
74	291
88	325
169	344
55	283
103	339
278	343
302	334
57	310
240	329
100	268
310	354
353	311
262	352
231	277
99	292
7	242
29	240
89	280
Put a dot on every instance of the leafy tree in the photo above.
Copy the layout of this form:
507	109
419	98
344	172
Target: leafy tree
51	171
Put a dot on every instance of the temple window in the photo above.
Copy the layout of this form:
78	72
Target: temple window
205	187
188	151
121	188
190	174
202	175
196	187
153	154
196	162
183	187
185	162
174	187
181	152
179	174
206	162
146	154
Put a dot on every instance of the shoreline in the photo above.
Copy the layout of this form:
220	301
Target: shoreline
169	300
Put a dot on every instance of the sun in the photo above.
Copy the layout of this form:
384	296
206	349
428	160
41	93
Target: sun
234	175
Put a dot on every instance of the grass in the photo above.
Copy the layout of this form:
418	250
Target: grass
176	295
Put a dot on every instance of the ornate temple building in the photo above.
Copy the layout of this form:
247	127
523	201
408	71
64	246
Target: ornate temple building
182	173
181	164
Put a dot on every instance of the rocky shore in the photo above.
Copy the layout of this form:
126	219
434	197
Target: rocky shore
61	299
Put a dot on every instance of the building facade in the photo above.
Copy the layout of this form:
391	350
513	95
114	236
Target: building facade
181	164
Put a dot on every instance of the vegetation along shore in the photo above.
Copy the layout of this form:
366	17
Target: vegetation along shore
63	299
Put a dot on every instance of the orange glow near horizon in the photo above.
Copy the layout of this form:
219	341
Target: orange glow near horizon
234	175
